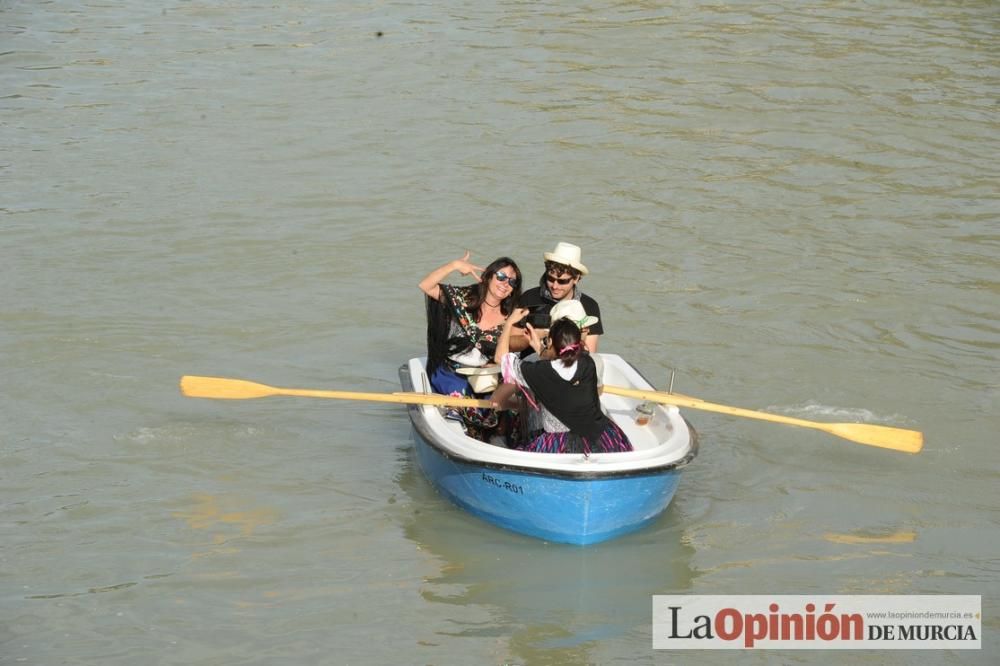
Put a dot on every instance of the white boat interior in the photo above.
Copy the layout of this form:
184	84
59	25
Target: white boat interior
666	441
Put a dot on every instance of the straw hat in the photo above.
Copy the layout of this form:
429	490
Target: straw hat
568	255
572	310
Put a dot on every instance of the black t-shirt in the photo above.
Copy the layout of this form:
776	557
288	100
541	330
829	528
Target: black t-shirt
576	403
534	297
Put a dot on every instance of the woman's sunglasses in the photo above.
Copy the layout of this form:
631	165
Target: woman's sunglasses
502	277
557	280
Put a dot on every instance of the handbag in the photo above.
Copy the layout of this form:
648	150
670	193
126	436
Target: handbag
483	379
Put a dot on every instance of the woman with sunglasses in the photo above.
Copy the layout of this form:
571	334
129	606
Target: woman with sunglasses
463	328
561	387
561	282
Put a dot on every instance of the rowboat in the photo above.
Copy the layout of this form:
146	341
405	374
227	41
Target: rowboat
559	497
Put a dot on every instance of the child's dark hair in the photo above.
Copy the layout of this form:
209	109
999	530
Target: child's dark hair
565	336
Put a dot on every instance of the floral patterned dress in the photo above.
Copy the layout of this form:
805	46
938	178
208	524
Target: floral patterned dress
466	345
465	334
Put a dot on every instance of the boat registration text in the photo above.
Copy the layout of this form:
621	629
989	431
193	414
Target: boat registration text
505	485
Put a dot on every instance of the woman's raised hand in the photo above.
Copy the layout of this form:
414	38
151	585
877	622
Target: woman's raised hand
533	339
465	267
517	315
431	284
503	344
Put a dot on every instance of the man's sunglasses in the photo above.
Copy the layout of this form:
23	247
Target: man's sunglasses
502	277
557	280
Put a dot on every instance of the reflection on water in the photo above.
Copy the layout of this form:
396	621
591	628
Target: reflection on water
208	515
902	536
543	596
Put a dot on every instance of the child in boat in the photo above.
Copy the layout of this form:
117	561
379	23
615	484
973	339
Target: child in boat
563	386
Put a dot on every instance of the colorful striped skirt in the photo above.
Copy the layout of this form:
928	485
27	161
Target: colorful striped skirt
612	440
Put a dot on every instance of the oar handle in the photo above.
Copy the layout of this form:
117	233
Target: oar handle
223	388
898	439
398	397
697	403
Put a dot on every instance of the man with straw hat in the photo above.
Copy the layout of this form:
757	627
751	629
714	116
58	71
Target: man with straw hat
561	282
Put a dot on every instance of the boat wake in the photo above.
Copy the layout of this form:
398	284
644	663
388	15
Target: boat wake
816	411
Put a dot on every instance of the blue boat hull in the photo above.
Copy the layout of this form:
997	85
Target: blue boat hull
575	510
563	498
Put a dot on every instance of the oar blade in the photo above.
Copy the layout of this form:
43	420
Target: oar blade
898	439
221	388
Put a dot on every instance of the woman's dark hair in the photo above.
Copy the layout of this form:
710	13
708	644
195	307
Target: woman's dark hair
565	336
507	304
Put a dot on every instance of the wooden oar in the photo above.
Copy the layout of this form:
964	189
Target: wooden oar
908	441
221	388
